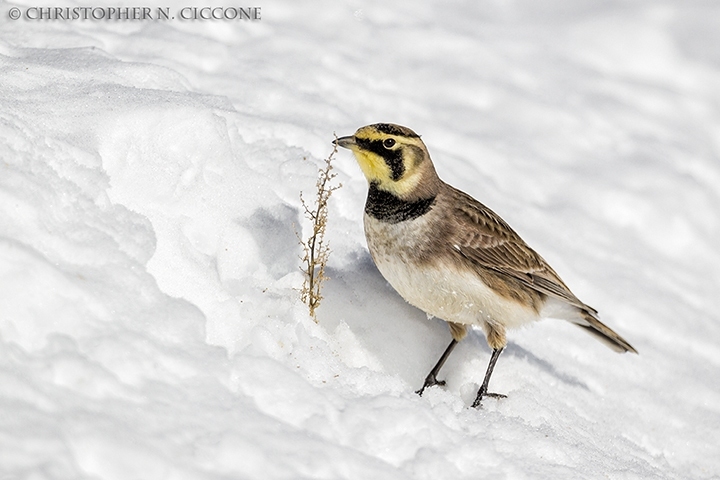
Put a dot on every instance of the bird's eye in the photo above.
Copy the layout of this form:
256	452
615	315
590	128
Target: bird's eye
389	143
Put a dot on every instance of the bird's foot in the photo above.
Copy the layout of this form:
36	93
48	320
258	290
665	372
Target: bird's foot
484	393
430	381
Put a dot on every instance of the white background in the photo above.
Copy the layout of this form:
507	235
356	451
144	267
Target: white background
150	174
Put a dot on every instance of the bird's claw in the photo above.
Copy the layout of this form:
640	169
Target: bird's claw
430	381
478	400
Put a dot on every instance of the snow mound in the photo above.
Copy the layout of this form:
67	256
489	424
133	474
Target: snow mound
150	172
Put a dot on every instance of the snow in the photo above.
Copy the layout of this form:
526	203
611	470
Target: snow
150	172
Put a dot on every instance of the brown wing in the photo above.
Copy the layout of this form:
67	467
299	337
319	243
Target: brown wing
485	239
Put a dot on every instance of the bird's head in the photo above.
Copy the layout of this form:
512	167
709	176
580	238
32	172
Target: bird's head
393	158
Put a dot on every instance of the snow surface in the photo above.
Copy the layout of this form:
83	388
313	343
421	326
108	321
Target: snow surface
150	325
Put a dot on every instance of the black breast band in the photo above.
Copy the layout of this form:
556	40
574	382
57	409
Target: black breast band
389	208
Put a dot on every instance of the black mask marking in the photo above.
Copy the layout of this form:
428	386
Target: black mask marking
393	158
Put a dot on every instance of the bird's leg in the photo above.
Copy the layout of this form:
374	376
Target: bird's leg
431	379
483	392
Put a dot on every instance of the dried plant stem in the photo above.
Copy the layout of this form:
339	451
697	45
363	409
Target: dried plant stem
316	250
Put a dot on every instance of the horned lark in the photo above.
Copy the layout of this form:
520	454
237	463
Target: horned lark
451	256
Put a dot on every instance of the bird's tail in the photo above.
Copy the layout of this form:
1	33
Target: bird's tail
603	333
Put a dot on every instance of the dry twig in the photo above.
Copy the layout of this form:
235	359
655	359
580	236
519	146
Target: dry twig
316	250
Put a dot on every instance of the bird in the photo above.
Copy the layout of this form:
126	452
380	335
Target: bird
451	256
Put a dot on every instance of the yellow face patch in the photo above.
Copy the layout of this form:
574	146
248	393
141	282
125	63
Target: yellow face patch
397	179
372	165
388	155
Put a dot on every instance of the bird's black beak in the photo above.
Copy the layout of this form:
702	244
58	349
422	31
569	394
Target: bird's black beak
345	142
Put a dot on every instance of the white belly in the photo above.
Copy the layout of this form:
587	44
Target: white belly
444	291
